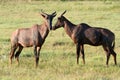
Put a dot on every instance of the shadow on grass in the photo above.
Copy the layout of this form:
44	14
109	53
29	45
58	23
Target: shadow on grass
27	55
62	43
4	40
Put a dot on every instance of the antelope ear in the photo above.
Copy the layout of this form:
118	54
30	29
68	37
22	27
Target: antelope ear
43	15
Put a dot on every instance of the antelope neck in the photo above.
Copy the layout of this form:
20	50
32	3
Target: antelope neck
69	27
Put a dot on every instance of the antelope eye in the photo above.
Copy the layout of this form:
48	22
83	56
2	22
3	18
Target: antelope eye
47	17
58	18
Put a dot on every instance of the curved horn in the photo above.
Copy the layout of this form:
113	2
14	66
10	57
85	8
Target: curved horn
63	13
43	12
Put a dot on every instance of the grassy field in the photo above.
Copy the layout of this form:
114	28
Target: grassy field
58	57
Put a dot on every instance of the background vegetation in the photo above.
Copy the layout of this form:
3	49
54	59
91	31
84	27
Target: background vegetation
58	57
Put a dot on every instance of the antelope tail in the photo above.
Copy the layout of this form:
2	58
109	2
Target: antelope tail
113	44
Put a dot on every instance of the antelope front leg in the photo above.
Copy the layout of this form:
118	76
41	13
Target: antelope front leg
38	53
78	52
36	58
82	52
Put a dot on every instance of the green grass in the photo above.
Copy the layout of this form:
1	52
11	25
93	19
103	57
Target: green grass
58	55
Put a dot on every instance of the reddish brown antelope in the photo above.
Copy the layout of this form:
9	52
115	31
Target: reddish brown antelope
28	37
84	34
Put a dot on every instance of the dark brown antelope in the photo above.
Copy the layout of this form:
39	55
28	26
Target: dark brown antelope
84	34
31	37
